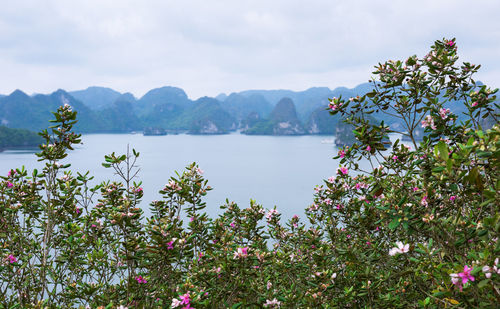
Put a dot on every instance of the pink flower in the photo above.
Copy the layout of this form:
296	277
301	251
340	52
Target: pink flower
334	104
199	171
170	245
12	259
474	104
342	153
271	213
453	198
138	190
424	201
368	148
428	122
232	224
343	170
331	179
140	279
241	253
465	275
185	299
9	184
172	185
443	112
395	158
462	278
450	43
415	189
313	207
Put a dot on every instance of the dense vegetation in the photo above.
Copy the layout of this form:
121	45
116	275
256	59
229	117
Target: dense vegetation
18	138
420	229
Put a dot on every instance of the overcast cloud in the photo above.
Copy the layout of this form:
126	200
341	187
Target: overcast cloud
209	47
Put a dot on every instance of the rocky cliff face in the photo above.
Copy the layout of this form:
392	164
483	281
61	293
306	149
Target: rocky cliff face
210	118
283	120
344	135
321	122
251	120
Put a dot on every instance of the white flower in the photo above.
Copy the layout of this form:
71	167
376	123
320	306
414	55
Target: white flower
175	303
271	214
454	278
399	249
403	248
272	303
489	270
269	285
486	270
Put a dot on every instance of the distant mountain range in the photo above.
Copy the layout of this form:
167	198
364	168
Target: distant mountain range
168	109
104	110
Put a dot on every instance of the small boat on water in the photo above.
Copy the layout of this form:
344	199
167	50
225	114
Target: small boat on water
327	141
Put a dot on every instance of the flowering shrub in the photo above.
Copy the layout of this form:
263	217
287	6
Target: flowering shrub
419	229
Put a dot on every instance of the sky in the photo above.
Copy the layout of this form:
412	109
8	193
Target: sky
224	46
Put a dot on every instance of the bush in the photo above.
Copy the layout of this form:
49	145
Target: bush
419	230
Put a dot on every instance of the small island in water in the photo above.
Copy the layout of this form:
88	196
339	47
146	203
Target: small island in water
18	138
150	131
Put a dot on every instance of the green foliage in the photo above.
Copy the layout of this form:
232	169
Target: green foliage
420	230
18	138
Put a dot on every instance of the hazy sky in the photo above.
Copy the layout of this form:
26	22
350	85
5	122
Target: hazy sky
209	47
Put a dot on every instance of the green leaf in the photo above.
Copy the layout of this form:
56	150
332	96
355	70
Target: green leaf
427	301
483	283
439	294
394	223
438	169
484	154
442	149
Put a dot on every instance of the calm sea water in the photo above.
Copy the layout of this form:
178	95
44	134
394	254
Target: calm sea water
273	170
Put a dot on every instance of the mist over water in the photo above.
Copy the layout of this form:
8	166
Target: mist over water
273	170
